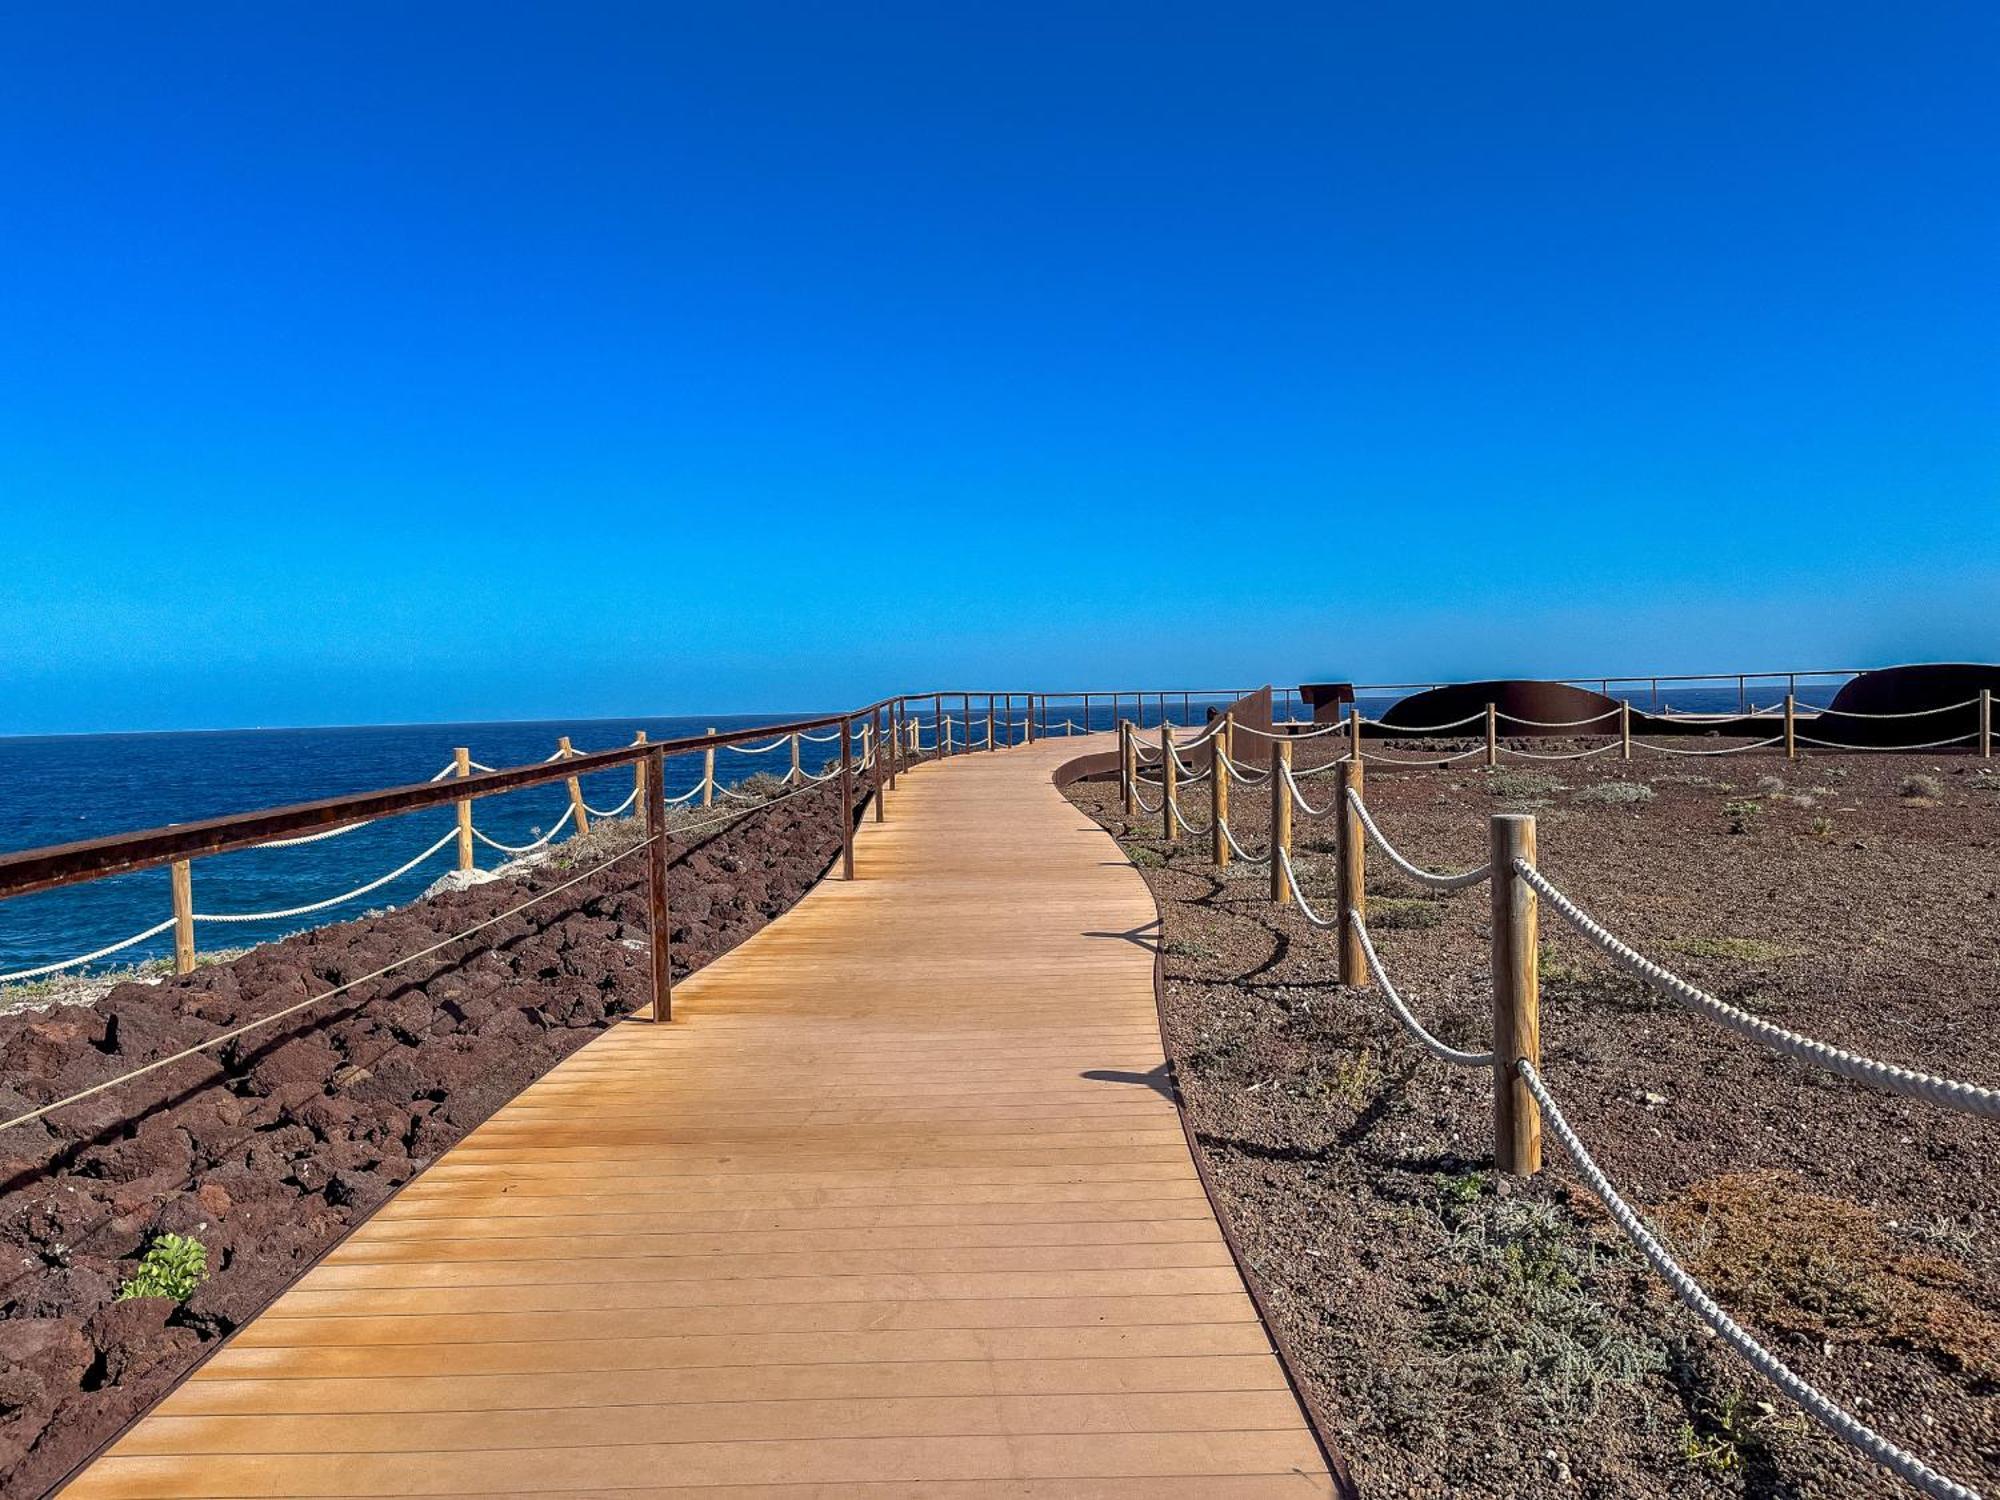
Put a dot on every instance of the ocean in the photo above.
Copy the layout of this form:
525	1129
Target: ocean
58	789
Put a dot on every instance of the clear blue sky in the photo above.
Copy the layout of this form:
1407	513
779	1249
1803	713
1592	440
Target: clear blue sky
373	362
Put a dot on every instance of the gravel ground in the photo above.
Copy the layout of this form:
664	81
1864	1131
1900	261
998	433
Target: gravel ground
1475	1336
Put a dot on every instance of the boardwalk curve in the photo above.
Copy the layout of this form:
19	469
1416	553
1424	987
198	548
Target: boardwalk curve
896	1207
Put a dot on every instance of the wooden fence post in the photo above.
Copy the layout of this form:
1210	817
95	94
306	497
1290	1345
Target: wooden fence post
662	933
639	779
461	760
1218	803
577	813
1354	732
1625	729
989	721
1353	883
1281	820
1517	1121
1791	728
1028	720
965	714
1986	723
183	886
1169	786
939	731
1128	768
1492	735
708	774
875	760
847	798
798	774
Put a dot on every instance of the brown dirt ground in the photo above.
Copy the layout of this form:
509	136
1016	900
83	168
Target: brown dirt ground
1474	1336
276	1145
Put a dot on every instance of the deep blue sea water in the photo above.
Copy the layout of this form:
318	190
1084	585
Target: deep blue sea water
57	789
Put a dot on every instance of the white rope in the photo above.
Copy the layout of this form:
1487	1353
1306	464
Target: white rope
1570	755
1311	734
1299	798
450	766
1411	1024
1478	718
821	739
1957	739
1144	805
1431	878
1727	750
300	911
612	812
1241	853
1186	826
1808	1398
1443	760
1609	713
339	989
1305	907
1915	713
476	766
779	742
1966	1096
1320	770
314	838
1239	774
84	958
493	843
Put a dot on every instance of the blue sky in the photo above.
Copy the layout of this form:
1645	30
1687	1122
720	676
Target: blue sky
381	362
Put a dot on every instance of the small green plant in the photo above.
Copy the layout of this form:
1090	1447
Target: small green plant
1385	912
1821	827
1738	949
1920	788
1522	786
1355	1077
1767	784
1742	814
1188	948
1725	1431
1144	858
1617	793
173	1266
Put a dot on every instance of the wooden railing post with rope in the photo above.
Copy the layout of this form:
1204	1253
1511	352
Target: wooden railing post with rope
1624	729
1353	883
638	782
1218	797
461	760
989	721
661	932
1169	786
1281	819
1354	733
182	873
708	774
797	774
1791	728
575	784
875	761
1492	735
1986	723
1517	1119
847	798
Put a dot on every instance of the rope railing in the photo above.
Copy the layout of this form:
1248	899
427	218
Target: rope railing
1808	1398
1945	1091
1440	1050
331	901
247	1027
1520	1096
1436	880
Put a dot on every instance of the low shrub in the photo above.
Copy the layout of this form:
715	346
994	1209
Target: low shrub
1617	793
1928	788
173	1266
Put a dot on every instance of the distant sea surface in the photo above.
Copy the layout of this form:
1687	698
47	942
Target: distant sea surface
58	789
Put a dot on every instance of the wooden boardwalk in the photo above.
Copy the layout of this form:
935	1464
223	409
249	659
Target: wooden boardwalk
894	1208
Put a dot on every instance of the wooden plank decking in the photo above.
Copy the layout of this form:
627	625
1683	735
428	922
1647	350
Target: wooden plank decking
894	1208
